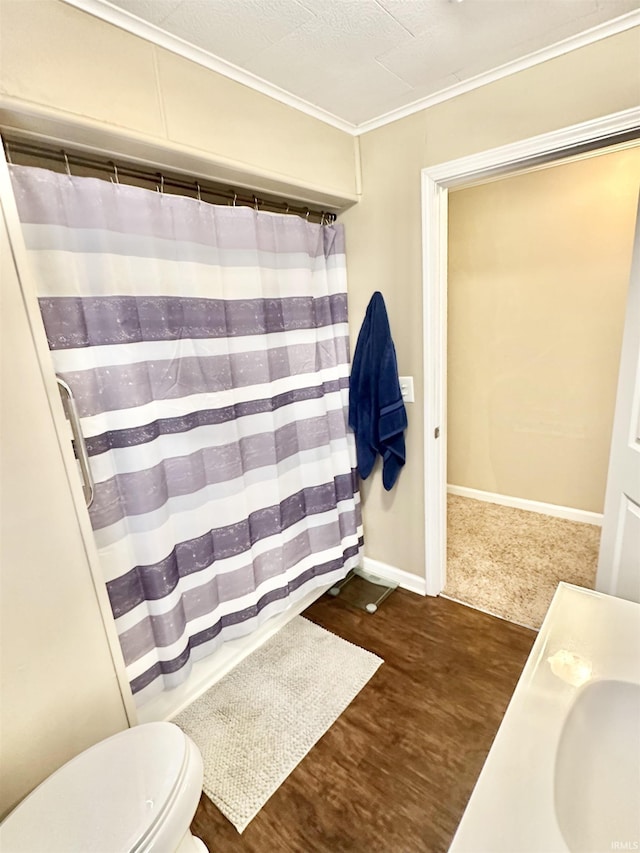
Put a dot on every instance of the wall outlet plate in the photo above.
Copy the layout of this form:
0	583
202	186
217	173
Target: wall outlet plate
406	388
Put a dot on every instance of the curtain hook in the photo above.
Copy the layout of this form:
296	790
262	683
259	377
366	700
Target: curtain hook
256	203
8	153
287	210
235	198
66	160
198	188
115	175
306	216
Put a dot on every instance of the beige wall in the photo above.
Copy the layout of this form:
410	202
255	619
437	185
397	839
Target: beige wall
59	691
57	57
538	274
384	231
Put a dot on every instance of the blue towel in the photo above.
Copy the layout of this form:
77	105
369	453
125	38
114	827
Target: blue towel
376	411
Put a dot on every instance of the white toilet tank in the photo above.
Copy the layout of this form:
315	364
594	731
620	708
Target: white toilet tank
135	791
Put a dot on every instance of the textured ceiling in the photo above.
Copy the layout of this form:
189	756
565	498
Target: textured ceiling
361	59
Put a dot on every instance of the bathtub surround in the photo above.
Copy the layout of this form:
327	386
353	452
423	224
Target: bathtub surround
509	561
259	722
207	349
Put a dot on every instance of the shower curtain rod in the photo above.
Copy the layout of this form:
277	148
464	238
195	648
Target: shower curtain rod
23	152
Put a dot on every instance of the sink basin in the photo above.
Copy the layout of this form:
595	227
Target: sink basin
563	773
597	771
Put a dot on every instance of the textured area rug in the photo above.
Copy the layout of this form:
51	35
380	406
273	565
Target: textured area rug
509	561
258	722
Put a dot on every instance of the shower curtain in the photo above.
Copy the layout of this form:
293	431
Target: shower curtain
207	350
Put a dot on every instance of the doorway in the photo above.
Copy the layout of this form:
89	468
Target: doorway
572	143
538	272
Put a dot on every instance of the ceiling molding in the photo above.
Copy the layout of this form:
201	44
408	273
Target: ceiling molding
136	26
151	33
601	31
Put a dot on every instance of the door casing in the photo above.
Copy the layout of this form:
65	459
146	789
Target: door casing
575	142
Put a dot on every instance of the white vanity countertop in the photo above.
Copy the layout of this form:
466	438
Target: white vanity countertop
586	637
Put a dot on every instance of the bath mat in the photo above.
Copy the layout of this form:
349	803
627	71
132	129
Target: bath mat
258	722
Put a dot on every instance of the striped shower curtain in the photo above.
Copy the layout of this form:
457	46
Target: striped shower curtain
207	350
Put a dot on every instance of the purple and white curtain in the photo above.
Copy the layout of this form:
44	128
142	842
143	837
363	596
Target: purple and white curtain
207	350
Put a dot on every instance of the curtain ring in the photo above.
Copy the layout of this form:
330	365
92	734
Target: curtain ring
198	188
66	160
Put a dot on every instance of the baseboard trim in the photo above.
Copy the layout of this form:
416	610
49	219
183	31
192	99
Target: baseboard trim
581	515
407	580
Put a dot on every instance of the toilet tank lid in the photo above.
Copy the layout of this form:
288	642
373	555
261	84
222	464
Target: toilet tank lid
106	799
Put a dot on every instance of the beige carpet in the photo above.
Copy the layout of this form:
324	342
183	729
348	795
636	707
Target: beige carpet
256	724
509	561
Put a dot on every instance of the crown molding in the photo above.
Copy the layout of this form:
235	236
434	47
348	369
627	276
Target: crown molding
150	32
136	26
601	31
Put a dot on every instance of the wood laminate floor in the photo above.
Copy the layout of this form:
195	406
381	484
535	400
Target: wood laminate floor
395	771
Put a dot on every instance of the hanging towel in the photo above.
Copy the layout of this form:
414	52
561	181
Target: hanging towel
376	411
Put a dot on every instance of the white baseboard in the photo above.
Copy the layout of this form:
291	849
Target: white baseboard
571	514
407	580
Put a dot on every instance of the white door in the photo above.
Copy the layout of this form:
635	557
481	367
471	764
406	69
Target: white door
619	563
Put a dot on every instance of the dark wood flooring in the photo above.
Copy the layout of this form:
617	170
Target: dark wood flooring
395	771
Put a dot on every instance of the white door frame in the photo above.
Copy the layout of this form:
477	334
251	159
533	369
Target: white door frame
577	141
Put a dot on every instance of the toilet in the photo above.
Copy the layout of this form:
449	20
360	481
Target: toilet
135	791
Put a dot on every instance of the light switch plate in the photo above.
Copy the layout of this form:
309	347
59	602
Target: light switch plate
406	387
